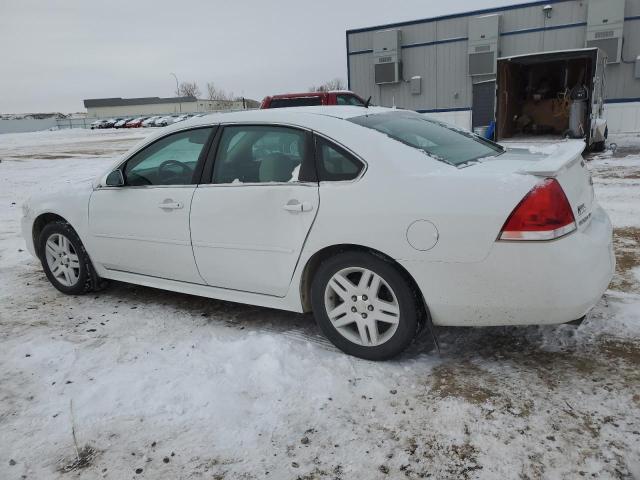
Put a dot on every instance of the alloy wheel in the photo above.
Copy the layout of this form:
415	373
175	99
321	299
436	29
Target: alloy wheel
361	306
62	260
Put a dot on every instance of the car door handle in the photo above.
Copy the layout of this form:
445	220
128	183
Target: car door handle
170	205
296	206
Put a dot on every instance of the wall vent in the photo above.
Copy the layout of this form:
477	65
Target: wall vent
605	24
387	56
607	34
484	33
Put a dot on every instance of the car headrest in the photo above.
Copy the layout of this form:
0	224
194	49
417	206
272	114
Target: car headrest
276	167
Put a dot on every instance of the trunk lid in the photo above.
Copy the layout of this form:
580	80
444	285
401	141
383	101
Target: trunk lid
562	161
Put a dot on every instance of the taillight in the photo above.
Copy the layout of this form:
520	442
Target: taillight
543	214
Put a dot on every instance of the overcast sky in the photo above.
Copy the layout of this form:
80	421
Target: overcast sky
55	53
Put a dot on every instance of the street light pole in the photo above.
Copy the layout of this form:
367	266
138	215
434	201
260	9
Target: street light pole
177	88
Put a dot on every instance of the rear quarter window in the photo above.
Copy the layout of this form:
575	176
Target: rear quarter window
334	163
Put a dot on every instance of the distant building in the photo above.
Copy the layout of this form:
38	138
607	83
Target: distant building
122	107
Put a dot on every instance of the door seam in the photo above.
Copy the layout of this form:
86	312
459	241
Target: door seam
304	244
193	253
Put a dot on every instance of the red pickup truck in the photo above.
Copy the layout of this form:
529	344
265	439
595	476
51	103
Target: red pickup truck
336	97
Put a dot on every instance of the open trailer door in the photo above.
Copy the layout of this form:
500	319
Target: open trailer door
599	130
550	94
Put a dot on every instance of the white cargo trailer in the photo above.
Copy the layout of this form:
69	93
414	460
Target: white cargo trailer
552	95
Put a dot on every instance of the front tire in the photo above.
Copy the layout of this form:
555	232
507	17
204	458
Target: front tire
364	305
65	260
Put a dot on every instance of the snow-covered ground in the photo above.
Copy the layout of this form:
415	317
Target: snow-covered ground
162	385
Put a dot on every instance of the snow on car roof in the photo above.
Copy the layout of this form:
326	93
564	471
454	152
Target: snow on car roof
300	116
290	113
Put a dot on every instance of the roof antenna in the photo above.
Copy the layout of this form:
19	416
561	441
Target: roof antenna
368	102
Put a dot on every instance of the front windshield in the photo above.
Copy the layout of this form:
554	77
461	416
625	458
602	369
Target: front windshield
439	140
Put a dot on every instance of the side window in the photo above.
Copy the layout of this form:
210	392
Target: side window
346	99
335	163
169	161
262	154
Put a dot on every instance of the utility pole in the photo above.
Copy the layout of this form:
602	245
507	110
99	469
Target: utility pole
177	88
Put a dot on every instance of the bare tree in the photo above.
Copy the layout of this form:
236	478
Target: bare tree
335	84
212	91
215	93
188	89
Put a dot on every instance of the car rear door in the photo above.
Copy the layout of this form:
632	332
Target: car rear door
251	214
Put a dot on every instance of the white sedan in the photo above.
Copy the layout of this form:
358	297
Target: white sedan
380	221
163	121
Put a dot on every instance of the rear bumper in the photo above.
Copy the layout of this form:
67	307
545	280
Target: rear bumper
522	283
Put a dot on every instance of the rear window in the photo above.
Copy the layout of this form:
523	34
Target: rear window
439	140
295	102
346	99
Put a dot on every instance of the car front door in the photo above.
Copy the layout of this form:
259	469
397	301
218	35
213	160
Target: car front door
142	226
250	218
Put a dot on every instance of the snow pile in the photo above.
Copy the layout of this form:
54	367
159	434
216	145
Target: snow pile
69	143
68	136
617	183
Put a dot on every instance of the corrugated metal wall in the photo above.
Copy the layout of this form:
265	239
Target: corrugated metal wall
436	50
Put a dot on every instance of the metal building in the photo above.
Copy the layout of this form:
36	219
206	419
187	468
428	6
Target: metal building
122	107
445	66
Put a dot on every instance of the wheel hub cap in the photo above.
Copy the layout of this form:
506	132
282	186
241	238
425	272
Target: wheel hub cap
362	307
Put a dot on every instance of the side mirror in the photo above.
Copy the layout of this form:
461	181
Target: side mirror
115	179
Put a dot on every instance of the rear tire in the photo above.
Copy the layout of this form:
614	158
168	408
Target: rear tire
364	305
65	260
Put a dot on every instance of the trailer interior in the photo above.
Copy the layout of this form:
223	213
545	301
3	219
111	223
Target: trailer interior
534	95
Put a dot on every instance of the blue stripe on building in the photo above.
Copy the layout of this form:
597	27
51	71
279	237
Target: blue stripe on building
457	15
468	109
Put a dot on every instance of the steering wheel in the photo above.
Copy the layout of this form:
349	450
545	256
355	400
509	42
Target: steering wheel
165	173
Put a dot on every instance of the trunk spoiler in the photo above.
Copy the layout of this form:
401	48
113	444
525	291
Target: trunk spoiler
565	155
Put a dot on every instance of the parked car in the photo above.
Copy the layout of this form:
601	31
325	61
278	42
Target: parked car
307	99
149	122
97	124
121	123
181	118
164	121
380	221
110	122
135	123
